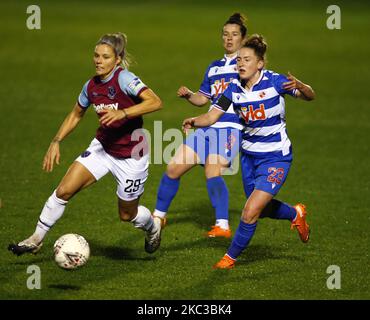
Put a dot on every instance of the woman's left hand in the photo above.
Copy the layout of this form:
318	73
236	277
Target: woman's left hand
108	116
293	83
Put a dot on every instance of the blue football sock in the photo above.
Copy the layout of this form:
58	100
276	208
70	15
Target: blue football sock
279	210
166	192
219	196
242	237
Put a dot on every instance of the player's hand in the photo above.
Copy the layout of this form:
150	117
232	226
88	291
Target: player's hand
108	116
187	124
293	83
184	92
51	155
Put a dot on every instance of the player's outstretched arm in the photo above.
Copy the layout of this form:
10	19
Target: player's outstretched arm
69	123
196	99
305	91
204	120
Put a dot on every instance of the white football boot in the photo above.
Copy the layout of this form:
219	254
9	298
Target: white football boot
26	246
153	236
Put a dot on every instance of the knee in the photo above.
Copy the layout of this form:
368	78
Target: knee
124	216
215	166
127	214
173	171
64	192
250	214
213	170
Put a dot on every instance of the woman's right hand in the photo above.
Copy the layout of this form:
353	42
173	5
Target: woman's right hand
187	124
184	92
51	155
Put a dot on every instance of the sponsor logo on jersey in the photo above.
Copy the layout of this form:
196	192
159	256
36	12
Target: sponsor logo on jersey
111	92
103	106
220	86
249	114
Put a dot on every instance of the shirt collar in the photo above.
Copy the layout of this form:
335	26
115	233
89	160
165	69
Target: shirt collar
229	59
260	78
257	82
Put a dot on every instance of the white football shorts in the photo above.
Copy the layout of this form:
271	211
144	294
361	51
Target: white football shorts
130	174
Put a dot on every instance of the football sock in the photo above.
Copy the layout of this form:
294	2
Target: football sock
219	196
143	219
166	192
279	210
160	214
243	236
222	223
50	214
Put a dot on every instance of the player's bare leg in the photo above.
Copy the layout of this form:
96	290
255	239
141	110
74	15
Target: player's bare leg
214	167
184	159
255	204
128	209
76	179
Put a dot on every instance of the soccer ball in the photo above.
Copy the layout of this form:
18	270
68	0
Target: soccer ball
71	251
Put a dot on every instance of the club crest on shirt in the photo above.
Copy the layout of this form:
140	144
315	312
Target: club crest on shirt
230	143
111	92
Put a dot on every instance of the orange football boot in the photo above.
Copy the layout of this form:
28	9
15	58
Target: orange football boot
300	222
225	263
217	231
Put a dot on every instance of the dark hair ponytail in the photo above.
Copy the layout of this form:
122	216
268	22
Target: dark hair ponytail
239	19
258	44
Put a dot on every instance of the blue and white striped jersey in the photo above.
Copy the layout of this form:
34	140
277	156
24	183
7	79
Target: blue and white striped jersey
261	110
216	79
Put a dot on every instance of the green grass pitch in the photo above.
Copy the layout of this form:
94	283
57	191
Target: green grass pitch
173	42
